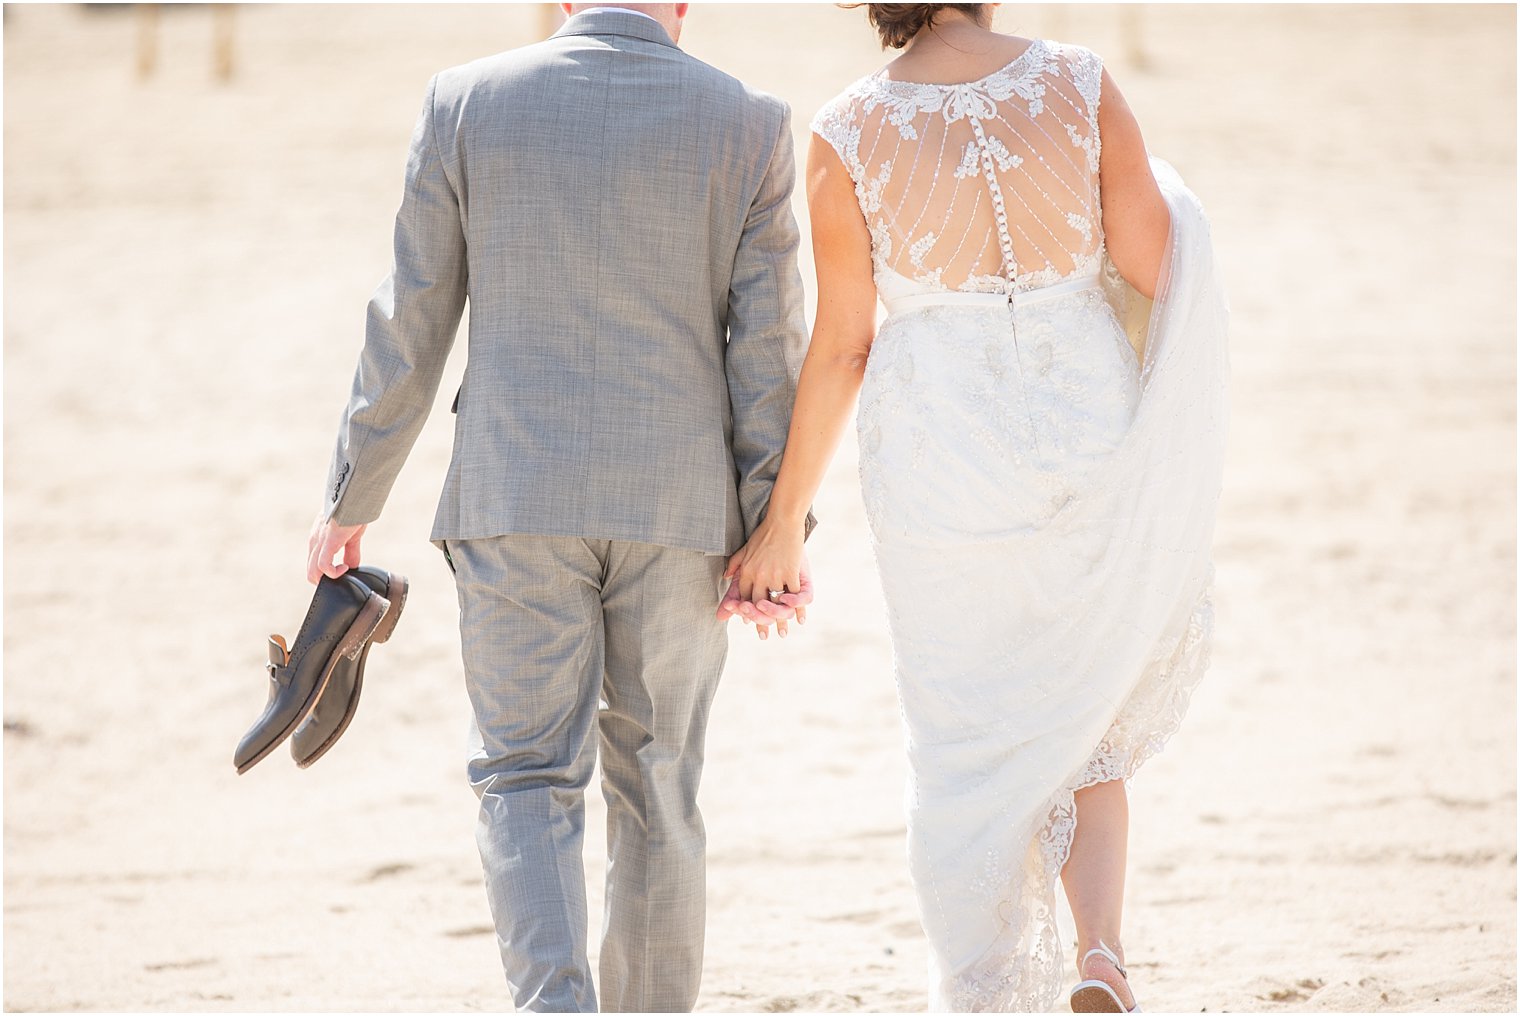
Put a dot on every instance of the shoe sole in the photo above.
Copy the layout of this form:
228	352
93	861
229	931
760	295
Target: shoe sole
351	645
1095	996
395	592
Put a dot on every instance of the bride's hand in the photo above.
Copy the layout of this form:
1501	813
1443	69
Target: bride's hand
772	559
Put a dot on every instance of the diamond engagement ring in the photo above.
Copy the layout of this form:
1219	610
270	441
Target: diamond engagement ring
775	594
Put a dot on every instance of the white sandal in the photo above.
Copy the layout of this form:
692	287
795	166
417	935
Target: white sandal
1099	996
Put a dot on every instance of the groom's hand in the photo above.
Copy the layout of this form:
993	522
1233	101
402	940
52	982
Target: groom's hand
327	539
794	603
735	605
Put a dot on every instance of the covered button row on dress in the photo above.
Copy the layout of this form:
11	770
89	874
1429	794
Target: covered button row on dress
1010	266
999	209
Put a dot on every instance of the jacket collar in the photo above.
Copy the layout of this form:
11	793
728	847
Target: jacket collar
613	22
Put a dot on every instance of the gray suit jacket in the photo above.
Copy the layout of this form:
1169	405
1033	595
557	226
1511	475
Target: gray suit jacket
618	214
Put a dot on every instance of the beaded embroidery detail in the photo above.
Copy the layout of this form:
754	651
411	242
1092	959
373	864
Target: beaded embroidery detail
1019	208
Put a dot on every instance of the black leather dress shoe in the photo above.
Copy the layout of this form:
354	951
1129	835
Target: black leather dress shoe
343	616
336	707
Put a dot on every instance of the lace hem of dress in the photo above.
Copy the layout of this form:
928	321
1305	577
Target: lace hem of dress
1023	970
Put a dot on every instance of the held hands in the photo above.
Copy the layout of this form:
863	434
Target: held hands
771	560
768	561
327	539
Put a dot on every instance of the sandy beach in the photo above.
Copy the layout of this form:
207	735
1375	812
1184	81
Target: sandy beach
187	263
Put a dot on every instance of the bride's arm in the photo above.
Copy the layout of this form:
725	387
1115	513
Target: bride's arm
843	330
1135	218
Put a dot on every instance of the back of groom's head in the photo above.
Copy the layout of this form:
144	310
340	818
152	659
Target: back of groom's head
669	16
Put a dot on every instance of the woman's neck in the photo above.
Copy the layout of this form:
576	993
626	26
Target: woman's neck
955	30
955	48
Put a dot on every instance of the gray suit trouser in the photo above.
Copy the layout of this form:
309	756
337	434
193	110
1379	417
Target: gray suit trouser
550	626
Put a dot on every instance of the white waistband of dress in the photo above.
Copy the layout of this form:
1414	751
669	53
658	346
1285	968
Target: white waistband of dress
916	301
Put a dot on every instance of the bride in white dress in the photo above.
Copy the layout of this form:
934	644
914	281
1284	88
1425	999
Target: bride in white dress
1040	483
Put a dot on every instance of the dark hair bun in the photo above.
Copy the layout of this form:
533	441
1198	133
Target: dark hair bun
897	24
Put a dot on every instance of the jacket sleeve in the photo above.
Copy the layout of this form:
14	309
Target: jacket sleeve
412	321
767	332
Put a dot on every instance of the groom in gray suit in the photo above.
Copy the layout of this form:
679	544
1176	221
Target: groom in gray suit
618	215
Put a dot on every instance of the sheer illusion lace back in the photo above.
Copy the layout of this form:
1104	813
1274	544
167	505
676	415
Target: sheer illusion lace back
982	186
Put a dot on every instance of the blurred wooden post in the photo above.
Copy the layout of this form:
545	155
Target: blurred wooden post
222	25
147	39
550	17
1129	29
1056	14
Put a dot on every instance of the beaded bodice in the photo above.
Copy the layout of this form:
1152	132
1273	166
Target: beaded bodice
987	186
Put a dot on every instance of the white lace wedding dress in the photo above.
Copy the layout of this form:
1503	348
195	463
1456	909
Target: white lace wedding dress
1041	500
